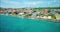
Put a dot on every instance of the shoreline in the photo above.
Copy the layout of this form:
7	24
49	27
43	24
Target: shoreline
54	20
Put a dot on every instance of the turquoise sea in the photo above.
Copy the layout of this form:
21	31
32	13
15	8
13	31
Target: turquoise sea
16	24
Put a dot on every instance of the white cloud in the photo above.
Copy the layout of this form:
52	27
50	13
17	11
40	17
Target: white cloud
33	3
49	3
58	5
15	4
10	2
54	0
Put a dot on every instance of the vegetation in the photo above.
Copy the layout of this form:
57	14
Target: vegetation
53	16
38	10
58	12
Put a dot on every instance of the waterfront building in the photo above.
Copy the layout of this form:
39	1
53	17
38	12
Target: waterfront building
53	12
57	16
1	12
34	14
30	11
45	12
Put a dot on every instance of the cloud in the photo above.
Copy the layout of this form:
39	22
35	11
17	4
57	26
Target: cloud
54	0
58	5
40	3
10	2
33	3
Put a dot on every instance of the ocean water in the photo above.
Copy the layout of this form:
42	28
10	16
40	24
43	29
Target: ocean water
15	24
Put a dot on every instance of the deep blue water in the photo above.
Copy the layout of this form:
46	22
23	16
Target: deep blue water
15	24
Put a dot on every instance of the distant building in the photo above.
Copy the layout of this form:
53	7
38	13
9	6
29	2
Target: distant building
30	11
1	12
45	11
53	12
57	16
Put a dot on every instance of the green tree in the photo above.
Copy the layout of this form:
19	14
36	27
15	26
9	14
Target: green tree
53	16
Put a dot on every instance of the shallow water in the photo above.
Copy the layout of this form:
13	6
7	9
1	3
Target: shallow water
15	24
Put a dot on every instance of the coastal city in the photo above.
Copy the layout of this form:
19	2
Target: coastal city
29	15
39	13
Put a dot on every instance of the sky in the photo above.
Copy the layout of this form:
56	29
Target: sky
29	3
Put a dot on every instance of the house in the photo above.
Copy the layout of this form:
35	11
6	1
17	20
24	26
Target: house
1	12
53	11
57	16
